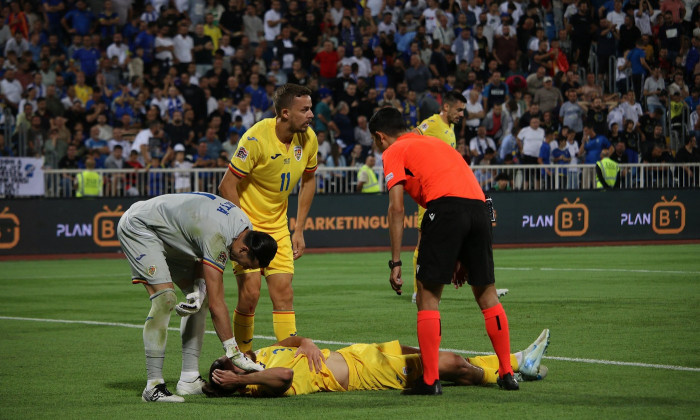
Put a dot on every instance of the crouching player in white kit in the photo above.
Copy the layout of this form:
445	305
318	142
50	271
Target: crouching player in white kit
187	239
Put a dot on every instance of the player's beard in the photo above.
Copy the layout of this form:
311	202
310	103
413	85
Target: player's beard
302	127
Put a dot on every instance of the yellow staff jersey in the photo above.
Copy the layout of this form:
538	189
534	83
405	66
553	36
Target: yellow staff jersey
269	172
435	127
370	366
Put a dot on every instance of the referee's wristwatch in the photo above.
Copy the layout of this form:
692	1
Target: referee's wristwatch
393	264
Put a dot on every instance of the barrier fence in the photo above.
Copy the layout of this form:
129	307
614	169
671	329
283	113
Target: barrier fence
152	182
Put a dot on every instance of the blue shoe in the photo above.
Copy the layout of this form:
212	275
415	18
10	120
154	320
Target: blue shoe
532	356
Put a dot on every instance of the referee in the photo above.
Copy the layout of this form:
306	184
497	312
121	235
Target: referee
455	246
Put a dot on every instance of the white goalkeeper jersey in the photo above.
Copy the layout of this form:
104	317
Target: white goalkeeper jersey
199	225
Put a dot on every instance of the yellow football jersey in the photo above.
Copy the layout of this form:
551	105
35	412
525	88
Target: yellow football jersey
380	366
305	380
370	367
270	171
435	127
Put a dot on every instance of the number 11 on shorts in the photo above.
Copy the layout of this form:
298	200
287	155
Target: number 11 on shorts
285	178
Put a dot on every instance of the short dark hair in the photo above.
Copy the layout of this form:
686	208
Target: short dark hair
285	94
453	96
389	121
211	388
261	247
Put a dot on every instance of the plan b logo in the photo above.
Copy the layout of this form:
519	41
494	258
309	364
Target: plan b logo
9	229
668	217
571	219
104	227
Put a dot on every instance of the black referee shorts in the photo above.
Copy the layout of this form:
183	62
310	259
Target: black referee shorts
454	229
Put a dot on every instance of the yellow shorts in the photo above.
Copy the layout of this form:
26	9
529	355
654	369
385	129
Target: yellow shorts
421	213
380	366
283	261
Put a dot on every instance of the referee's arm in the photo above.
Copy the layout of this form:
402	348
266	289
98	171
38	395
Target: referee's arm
396	216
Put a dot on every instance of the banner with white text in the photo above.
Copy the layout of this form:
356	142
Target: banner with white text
21	177
44	226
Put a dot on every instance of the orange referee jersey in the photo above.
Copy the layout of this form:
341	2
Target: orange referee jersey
429	169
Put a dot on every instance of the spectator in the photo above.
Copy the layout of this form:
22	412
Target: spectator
417	76
80	20
474	112
212	31
335	159
530	141
561	156
479	144
367	180
182	177
689	153
213	148
11	90
246	112
548	97
342	123
571	113
362	134
535	80
581	24
593	144
498	123
572	179
327	62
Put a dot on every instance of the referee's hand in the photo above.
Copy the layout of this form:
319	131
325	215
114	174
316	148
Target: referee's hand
395	279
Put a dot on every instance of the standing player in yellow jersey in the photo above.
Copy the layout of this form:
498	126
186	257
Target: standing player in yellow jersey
440	126
271	158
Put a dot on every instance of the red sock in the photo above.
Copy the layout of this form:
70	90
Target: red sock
429	335
497	329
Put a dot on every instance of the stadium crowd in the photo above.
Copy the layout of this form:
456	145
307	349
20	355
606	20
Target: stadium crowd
176	83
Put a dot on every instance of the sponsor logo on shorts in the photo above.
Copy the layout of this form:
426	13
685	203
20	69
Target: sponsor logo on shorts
140	256
297	152
242	153
152	270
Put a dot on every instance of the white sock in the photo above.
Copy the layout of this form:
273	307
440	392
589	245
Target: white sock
155	333
153	382
192	335
190	376
519	357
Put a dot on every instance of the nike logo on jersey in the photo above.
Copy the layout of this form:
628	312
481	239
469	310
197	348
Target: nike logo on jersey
140	256
275	156
432	216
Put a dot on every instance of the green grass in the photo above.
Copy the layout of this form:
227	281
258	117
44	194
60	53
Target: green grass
595	305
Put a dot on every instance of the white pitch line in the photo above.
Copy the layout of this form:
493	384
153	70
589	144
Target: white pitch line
607	270
341	343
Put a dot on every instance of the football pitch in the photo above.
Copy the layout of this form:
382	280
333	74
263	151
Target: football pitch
625	332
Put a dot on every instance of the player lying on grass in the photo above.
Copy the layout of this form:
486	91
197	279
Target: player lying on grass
297	366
